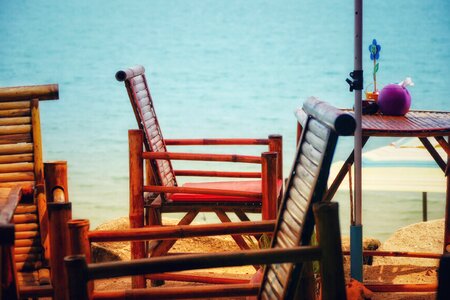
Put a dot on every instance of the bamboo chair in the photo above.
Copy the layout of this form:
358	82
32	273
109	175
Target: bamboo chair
22	174
237	197
293	231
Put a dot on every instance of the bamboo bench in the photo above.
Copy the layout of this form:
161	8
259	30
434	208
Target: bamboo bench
22	168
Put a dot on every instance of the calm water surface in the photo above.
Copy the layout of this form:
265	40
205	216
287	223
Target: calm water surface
216	69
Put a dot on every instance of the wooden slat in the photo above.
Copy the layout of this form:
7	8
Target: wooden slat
16	149
19	176
16	138
14	113
16	167
26	227
27	186
25	218
318	129
274	284
15	129
295	209
304	176
312	153
287	233
22	209
308	164
26	234
15	120
28	243
301	188
16	93
137	80
27	157
317	142
24	250
14	104
27	257
294	221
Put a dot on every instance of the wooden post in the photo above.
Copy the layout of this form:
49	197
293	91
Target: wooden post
136	214
424	207
79	238
77	275
276	145
59	214
40	198
329	237
56	181
269	185
8	287
79	242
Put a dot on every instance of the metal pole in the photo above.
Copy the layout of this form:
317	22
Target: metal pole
356	229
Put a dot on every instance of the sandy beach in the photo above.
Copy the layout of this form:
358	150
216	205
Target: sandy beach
420	237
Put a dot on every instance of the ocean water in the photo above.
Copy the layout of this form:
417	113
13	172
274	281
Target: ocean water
216	69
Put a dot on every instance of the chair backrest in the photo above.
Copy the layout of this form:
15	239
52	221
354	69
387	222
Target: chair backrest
322	124
144	110
21	164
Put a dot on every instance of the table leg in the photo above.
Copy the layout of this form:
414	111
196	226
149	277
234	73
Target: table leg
447	202
342	173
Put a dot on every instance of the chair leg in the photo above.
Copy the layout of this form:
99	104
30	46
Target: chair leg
152	217
244	218
238	238
165	246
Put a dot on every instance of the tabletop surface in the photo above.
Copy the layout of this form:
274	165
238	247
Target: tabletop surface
414	123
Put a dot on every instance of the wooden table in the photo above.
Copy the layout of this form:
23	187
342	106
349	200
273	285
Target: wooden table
421	124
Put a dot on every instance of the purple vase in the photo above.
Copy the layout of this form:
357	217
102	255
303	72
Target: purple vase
394	100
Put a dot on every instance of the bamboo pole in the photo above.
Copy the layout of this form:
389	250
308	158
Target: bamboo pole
201	173
181	231
227	291
398	254
193	190
276	145
136	215
59	214
77	275
228	141
41	92
269	185
329	237
202	261
56	181
203	157
40	198
79	238
79	243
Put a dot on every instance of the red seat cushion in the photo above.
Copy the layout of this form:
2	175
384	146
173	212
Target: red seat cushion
247	186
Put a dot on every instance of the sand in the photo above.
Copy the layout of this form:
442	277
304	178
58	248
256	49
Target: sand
421	237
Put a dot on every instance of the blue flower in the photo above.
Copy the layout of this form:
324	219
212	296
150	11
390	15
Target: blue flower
374	49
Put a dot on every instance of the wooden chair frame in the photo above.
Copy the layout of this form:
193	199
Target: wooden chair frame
306	186
39	205
162	177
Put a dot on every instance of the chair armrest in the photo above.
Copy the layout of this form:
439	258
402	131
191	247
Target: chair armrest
193	190
9	198
181	231
217	141
203	157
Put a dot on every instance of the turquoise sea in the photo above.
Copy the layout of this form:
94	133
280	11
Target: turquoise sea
216	69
